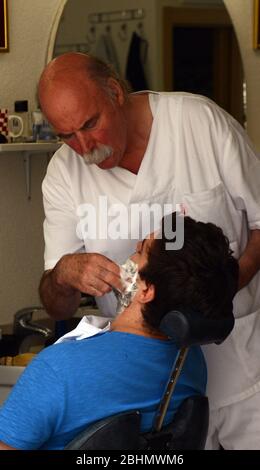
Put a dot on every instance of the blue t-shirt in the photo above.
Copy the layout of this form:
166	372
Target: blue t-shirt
70	385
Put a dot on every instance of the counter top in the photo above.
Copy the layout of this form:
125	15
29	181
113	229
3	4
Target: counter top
30	147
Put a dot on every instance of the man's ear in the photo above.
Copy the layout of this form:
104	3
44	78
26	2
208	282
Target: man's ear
116	91
146	292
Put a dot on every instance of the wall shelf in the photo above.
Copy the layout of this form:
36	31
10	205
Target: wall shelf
27	149
30	147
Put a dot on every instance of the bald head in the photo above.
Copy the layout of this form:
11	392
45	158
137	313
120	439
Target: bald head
63	66
61	73
73	68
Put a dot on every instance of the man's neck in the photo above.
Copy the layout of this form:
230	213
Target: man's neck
131	321
140	119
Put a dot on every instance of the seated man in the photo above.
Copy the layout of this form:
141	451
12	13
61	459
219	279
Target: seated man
70	385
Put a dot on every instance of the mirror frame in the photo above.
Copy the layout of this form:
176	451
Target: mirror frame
54	29
256	43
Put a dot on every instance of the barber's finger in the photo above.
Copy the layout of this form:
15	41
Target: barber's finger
107	264
109	272
93	281
110	278
93	291
100	273
101	286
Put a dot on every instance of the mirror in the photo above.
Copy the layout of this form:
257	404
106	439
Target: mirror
201	53
103	31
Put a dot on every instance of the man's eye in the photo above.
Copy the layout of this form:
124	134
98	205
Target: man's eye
90	124
65	136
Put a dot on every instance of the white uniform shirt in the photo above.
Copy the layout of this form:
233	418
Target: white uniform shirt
200	157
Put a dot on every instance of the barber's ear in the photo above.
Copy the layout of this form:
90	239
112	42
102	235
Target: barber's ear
116	91
146	292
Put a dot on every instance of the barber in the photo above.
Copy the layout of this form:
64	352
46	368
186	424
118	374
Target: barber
163	148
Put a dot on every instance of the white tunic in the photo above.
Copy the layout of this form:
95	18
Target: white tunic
200	157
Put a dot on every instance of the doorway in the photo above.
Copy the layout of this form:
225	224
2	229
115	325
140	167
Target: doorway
201	55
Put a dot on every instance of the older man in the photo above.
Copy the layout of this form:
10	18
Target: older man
155	148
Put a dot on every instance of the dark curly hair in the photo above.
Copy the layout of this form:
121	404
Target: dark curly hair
202	275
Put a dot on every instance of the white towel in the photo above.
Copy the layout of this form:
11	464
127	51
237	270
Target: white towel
89	325
106	51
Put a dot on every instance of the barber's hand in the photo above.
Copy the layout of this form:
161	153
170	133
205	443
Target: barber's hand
90	273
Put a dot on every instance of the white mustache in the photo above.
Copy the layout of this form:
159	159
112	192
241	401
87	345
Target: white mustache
98	155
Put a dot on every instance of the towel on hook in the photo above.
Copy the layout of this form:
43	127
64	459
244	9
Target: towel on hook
106	51
135	63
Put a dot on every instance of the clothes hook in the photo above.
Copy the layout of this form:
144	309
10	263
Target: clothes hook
140	28
123	32
91	38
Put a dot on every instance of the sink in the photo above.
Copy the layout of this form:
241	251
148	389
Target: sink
11	345
32	344
29	337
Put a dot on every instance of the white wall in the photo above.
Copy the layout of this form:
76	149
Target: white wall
21	244
31	25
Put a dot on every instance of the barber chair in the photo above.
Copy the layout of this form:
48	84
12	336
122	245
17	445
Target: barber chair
188	430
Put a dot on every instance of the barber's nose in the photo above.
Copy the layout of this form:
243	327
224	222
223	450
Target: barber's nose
86	142
138	246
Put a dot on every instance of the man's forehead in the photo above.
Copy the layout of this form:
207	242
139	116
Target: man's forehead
81	87
71	86
79	103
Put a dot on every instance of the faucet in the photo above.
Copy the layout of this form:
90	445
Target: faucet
24	326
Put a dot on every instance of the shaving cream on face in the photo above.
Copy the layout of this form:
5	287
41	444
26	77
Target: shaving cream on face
128	274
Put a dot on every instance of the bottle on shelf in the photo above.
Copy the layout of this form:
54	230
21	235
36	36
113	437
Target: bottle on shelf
37	123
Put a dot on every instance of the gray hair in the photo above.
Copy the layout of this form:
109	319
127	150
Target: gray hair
100	72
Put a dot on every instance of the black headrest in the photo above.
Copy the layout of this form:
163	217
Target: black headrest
187	327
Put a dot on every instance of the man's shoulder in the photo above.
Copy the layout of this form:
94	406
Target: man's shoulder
65	166
63	156
67	351
190	101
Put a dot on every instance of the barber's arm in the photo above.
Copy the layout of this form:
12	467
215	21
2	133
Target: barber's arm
249	263
241	174
61	287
